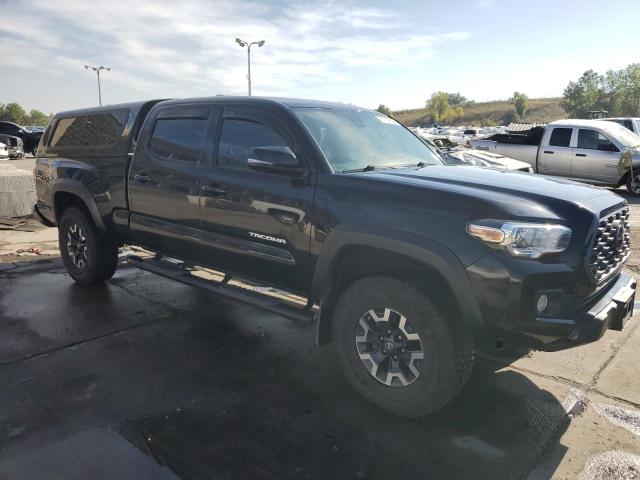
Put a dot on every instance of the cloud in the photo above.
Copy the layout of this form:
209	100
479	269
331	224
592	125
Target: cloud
189	48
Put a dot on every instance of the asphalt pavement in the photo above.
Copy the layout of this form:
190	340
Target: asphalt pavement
144	378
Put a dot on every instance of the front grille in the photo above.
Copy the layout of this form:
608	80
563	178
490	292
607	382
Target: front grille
611	245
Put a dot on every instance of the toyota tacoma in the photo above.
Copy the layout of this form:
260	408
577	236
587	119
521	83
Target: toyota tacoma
406	265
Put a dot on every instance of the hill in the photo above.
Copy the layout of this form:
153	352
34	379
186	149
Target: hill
491	113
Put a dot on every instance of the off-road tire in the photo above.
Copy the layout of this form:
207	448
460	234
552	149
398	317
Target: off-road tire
448	347
101	251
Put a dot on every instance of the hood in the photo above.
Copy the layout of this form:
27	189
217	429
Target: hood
474	181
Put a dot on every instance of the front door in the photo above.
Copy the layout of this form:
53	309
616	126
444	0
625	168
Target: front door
596	158
164	182
256	223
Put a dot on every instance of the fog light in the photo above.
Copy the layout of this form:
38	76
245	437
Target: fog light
542	303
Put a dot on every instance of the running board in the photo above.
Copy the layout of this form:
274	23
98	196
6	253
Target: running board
275	301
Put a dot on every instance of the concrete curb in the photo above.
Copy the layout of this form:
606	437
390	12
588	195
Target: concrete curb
17	192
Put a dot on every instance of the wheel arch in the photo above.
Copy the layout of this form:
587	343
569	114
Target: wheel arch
353	251
66	192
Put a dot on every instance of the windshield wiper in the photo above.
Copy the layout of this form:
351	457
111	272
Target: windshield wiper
368	168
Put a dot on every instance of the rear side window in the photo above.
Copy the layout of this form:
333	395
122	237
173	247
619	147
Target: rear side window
98	130
68	132
104	129
178	139
239	137
560	137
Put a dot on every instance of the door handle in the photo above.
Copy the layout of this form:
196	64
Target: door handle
549	151
142	178
214	190
581	154
288	218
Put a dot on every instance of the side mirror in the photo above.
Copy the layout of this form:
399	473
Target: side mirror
273	159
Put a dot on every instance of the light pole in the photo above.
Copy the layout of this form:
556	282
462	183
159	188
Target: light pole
97	70
243	44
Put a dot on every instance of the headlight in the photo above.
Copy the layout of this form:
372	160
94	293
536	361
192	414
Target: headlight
520	239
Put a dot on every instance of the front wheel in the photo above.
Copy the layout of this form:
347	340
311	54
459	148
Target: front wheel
633	183
397	349
89	256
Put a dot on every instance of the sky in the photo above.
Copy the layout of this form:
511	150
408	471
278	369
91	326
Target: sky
364	52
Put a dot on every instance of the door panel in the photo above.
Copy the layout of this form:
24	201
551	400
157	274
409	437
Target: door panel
554	156
592	161
164	181
253	223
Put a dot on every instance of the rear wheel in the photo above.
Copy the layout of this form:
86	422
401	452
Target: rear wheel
89	256
397	349
633	183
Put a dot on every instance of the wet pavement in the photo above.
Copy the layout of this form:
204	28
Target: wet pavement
146	378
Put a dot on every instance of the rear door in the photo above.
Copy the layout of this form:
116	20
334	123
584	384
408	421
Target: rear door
255	223
164	183
596	158
554	155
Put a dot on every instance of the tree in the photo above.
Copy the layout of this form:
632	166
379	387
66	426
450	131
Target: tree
439	109
13	112
36	117
520	102
456	99
584	95
384	109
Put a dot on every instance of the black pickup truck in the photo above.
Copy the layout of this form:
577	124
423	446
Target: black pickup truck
408	266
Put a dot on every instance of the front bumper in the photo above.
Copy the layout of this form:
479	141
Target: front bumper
610	310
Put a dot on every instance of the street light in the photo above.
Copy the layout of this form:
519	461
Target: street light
97	70
243	44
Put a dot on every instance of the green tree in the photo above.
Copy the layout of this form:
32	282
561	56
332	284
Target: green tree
456	99
36	117
586	94
440	110
13	112
384	109
520	102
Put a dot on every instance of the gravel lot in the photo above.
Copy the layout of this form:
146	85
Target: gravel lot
145	378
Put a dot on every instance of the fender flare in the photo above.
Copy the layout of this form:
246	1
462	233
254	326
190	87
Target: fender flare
82	191
424	250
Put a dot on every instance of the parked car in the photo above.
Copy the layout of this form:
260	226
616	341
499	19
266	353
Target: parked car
4	150
630	123
456	154
35	128
407	265
30	140
592	151
16	149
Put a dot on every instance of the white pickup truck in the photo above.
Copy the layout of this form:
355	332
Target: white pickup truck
592	151
630	123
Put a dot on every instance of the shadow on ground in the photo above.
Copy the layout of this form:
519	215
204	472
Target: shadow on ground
145	378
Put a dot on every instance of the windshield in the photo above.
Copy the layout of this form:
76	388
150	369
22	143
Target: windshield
353	139
627	138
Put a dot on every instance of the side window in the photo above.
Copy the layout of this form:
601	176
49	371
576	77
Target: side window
104	130
239	137
593	140
178	139
560	137
68	132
